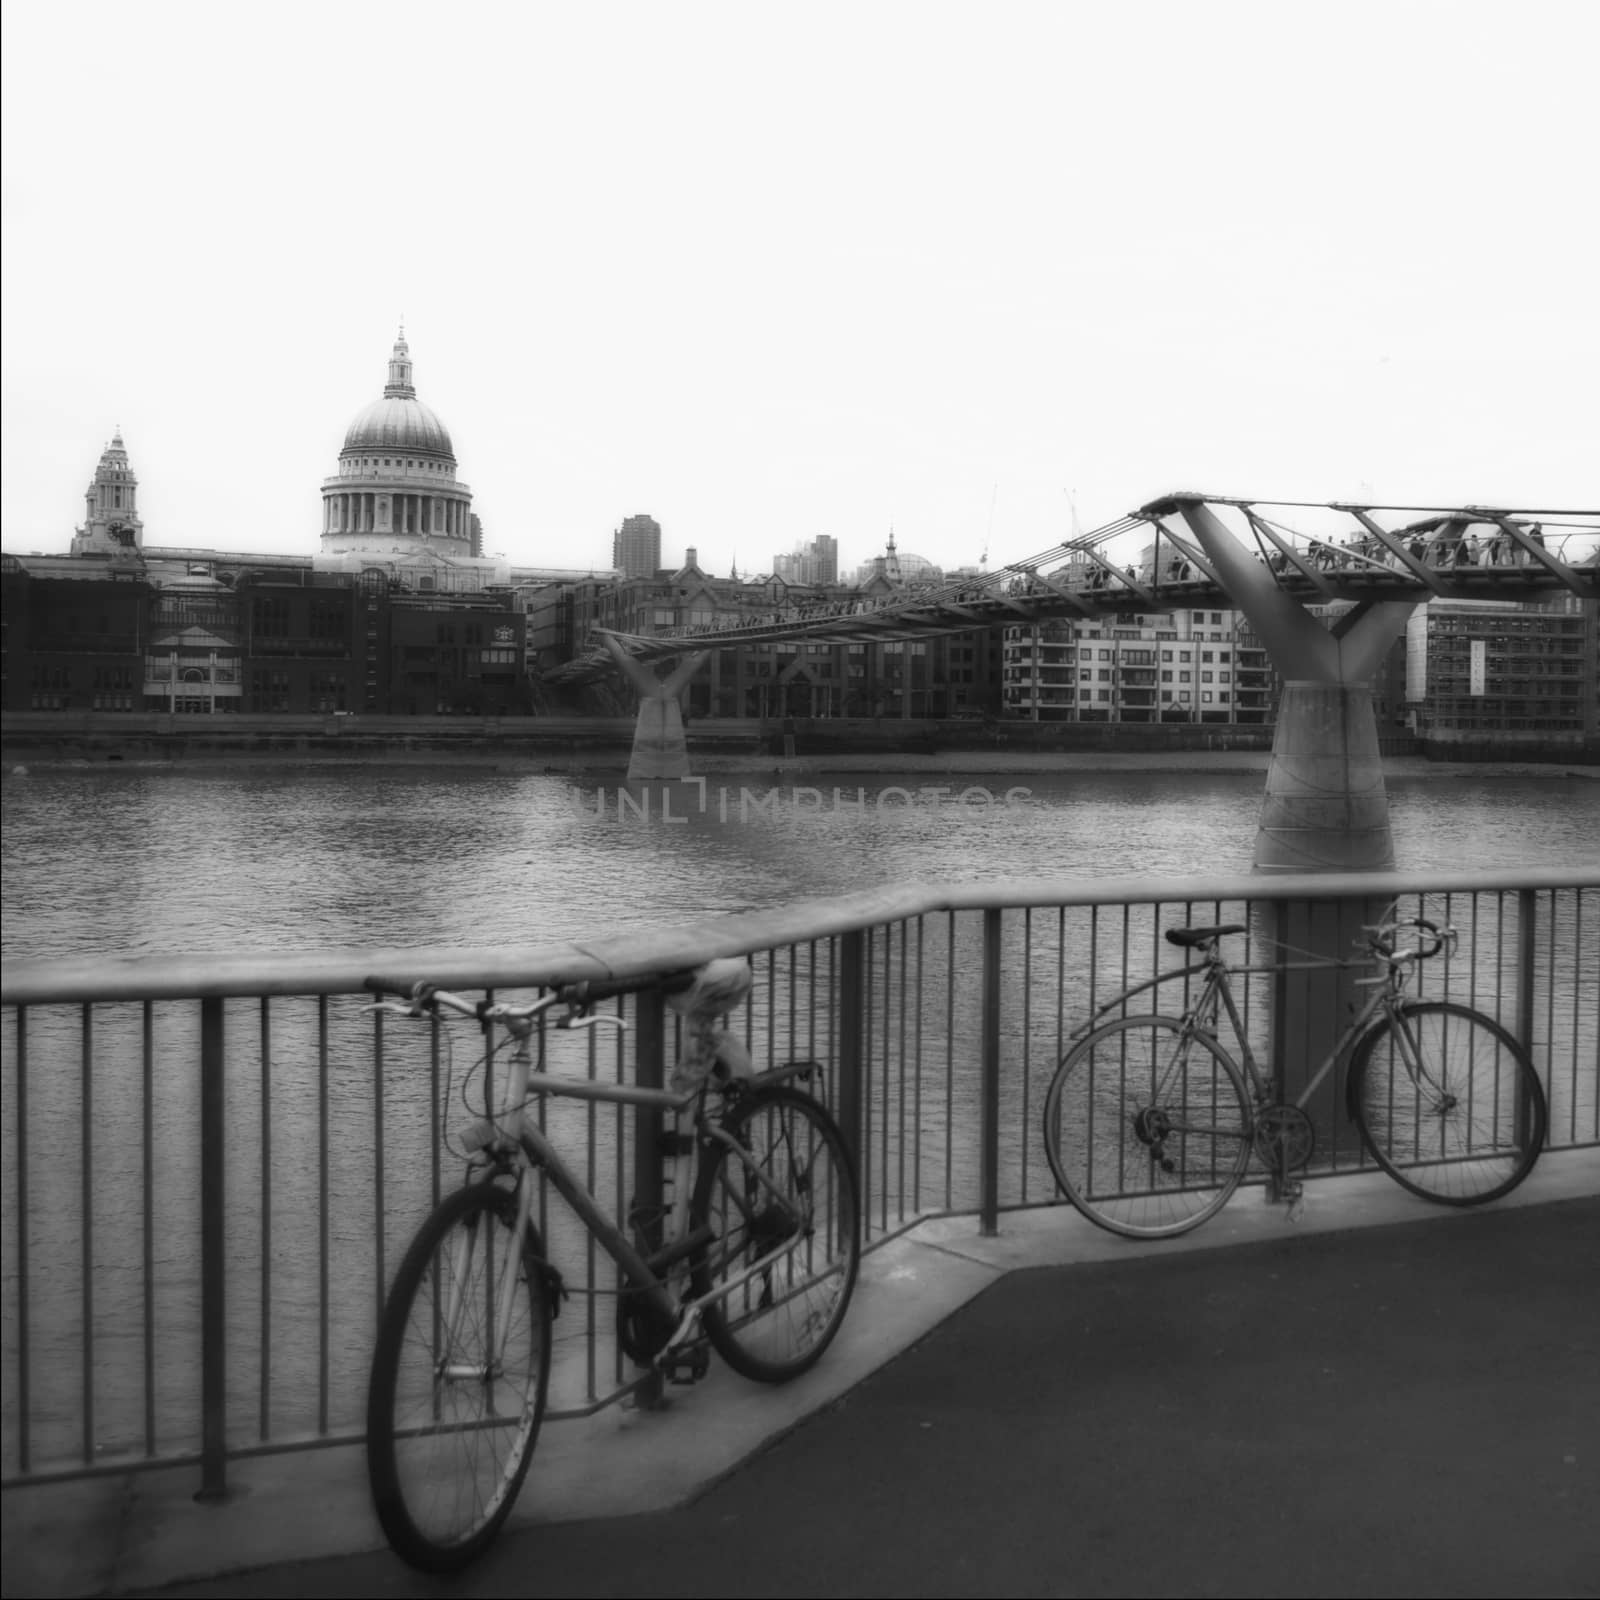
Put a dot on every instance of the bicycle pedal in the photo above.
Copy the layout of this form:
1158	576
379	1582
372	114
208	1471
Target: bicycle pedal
688	1367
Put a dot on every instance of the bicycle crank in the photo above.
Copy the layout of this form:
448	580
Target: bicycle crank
1284	1138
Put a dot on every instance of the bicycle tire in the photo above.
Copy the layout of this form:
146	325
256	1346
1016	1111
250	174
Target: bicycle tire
1469	1127
778	1323
446	1456
1147	1135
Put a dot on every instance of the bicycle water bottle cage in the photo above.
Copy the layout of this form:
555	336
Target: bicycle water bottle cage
1192	938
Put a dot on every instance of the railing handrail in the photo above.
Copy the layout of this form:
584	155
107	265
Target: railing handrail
638	953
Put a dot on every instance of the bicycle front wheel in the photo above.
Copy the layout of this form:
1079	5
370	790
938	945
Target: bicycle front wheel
1147	1128
454	1407
1448	1103
786	1244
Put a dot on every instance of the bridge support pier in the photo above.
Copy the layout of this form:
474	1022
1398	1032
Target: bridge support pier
1326	808
660	751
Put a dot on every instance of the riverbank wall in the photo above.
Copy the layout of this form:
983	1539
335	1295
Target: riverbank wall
603	743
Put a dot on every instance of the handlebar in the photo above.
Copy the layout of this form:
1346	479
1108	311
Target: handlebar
421	997
1431	939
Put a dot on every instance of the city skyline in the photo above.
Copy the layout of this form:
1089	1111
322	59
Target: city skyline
966	276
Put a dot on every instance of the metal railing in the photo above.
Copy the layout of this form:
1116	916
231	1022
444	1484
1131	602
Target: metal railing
211	1164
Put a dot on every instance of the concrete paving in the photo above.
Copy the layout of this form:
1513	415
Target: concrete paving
1384	1398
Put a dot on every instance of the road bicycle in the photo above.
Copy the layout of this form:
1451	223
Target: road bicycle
756	1254
1150	1122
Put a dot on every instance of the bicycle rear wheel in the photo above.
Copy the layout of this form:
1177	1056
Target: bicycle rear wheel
1147	1130
451	1417
785	1235
1448	1103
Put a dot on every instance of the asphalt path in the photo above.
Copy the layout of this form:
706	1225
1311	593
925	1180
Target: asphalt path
1404	1410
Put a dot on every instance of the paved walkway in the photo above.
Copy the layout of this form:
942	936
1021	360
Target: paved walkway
1386	1398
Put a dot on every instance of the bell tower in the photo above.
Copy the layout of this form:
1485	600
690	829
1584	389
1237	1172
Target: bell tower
111	525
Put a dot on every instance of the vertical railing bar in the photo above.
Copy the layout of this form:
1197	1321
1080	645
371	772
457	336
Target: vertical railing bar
86	1240
1552	945
1094	958
1027	1058
148	1226
884	1100
916	1119
592	1171
381	1278
864	1153
213	1254
619	1184
772	990
438	1113
1527	916
900	1136
265	1423
1578	966
811	1000
793	953
989	1096
24	1398
324	1225
949	1058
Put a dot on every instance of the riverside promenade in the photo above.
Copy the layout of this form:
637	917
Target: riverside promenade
1383	1398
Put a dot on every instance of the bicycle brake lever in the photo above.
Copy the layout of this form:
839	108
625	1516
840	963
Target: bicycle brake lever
570	1023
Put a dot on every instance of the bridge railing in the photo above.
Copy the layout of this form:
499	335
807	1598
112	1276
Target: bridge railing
213	1163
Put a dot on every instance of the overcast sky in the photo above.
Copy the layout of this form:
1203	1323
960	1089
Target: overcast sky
767	271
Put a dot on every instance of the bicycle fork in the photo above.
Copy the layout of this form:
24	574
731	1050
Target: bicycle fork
502	1282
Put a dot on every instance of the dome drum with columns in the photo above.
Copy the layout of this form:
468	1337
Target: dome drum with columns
396	490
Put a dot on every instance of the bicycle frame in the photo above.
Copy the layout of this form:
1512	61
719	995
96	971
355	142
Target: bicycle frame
531	1152
1216	991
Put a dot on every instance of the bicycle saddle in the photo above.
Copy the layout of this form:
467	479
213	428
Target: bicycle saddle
1190	937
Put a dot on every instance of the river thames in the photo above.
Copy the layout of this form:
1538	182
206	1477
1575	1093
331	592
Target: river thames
290	858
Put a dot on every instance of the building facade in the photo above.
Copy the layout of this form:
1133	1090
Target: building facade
636	547
1484	674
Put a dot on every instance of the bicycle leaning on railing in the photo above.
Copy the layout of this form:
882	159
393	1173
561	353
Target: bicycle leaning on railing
1150	1123
756	1252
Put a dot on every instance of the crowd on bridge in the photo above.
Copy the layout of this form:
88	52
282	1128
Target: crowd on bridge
1441	545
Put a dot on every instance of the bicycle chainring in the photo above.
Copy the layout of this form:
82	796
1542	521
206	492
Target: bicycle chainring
642	1330
1284	1138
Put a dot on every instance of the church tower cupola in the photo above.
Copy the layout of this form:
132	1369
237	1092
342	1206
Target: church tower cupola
111	525
400	386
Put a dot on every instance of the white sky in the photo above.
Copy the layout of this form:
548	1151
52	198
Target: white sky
766	271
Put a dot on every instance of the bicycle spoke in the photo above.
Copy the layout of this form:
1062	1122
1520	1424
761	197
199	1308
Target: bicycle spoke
783	1262
452	1416
1448	1103
1147	1128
